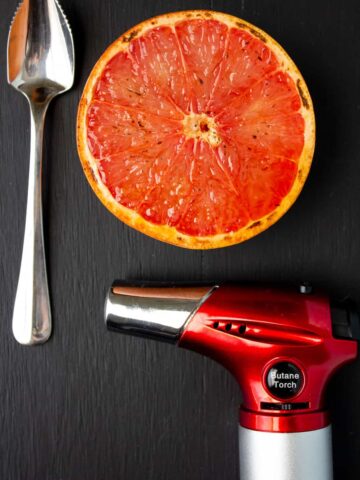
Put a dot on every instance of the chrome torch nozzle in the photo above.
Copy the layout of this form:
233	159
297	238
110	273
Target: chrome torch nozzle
152	311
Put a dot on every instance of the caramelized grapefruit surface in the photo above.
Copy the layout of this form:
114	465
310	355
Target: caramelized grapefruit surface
197	129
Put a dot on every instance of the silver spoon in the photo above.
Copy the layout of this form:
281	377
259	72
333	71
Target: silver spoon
40	66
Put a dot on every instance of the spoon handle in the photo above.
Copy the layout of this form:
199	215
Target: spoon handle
31	321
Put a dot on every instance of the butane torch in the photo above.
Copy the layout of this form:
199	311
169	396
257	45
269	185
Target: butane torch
282	346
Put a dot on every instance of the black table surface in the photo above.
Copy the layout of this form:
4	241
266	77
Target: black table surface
94	405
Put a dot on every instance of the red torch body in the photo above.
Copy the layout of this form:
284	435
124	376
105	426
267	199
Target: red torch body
281	345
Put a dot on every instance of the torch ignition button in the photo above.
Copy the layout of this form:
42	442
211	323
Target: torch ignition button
284	380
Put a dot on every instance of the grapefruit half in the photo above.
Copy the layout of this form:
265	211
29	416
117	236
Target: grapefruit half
197	129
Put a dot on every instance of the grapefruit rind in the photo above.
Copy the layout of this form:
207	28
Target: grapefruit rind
167	233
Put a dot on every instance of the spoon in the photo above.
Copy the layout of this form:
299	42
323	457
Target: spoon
40	65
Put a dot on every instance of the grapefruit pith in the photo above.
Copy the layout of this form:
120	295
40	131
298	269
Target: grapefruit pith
197	129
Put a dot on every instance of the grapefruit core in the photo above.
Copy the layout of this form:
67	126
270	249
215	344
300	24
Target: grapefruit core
197	129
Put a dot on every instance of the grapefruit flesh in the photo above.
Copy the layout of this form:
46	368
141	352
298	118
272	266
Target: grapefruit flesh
196	128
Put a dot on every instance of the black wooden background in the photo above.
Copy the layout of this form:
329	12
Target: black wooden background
94	405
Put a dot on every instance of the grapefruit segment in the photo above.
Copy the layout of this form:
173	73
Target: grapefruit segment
196	128
203	46
132	174
268	117
159	61
122	83
170	198
215	202
276	176
248	61
113	128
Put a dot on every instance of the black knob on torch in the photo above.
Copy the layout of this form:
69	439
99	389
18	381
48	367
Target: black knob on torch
345	318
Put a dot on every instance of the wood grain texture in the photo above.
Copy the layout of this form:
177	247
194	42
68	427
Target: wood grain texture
93	405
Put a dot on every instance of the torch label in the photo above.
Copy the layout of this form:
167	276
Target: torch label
284	380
